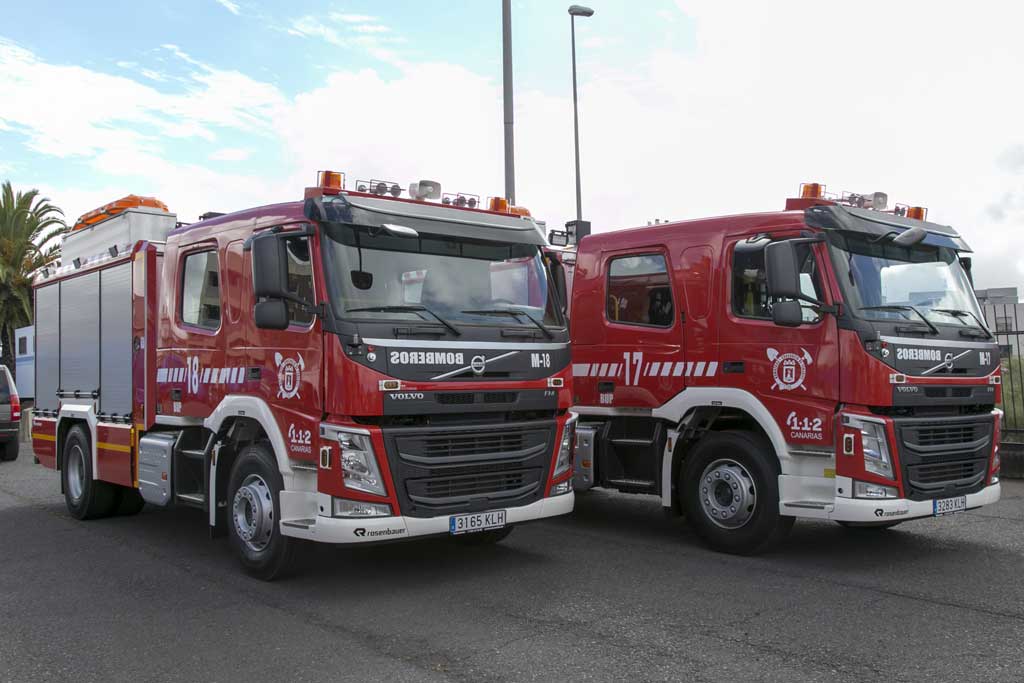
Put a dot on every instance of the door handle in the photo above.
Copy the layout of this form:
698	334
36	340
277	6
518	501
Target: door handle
734	366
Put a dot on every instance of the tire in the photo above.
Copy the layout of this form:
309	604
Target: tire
484	537
9	452
253	514
733	464
861	526
129	502
85	497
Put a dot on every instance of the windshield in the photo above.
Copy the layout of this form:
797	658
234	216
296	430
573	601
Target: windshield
436	278
882	281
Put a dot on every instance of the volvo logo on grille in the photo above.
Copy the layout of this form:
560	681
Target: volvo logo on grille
948	361
478	364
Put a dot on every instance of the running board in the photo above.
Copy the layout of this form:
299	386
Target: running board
633	485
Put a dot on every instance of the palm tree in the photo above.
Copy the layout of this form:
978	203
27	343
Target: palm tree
28	225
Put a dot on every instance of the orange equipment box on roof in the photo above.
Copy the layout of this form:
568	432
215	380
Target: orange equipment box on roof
115	207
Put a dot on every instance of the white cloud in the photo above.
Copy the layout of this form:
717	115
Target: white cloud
371	28
909	98
229	6
230	154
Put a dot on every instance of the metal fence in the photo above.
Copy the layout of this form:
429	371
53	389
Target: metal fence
1006	321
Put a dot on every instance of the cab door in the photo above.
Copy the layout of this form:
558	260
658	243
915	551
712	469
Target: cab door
284	367
793	371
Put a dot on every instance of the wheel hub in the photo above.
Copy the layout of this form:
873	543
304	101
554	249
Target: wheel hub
253	512
727	494
76	472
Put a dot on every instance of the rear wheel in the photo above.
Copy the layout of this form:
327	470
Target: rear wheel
254	499
730	492
9	451
484	537
85	497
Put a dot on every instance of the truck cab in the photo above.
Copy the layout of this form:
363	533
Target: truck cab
829	361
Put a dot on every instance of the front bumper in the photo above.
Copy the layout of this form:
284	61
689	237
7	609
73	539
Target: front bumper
897	509
377	529
9	431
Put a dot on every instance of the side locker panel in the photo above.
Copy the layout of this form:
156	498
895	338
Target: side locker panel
47	346
145	264
116	335
80	334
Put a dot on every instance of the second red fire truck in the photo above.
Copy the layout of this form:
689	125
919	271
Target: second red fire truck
356	366
825	362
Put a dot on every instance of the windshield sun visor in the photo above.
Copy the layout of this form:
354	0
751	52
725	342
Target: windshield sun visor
877	224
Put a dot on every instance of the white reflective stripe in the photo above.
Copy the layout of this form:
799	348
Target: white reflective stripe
655	366
689	369
223	375
712	369
679	369
613	371
206	375
700	369
665	369
161	375
580	369
236	375
424	344
594	368
604	370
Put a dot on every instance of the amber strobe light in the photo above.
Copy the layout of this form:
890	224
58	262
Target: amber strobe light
917	212
812	190
330	180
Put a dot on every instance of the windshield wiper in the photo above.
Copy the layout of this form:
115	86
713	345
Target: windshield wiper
407	309
920	315
515	313
957	313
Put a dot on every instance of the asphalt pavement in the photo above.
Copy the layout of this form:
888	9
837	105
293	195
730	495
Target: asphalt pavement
616	591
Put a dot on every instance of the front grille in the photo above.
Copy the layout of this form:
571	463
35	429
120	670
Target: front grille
942	458
450	399
468	398
441	470
944	435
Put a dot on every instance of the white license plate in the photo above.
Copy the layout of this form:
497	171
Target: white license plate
476	521
946	506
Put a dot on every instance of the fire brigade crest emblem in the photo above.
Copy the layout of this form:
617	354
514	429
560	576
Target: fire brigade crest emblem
289	374
789	370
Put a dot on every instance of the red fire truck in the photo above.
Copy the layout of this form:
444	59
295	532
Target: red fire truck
827	362
363	365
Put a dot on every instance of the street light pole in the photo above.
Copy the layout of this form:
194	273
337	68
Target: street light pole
506	44
577	11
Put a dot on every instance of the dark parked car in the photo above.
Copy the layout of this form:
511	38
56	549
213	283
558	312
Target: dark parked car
10	416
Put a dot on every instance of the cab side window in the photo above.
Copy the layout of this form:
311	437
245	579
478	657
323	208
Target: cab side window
639	291
200	291
300	279
750	298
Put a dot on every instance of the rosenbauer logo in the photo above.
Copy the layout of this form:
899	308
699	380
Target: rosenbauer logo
376	533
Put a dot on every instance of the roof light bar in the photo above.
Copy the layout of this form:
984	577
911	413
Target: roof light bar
461	200
379	187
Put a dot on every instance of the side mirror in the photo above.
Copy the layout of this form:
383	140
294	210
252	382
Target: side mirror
271	314
269	267
558	238
558	283
787	313
781	270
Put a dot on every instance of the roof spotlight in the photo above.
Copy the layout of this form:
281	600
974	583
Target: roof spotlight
460	201
381	188
361	187
395	190
472	202
446	201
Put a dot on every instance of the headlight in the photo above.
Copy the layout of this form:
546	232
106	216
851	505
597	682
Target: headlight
359	465
357	508
564	461
863	489
874	444
561	488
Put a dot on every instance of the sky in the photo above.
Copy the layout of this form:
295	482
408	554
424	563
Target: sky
688	108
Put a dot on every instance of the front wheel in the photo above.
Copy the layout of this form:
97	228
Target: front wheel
254	499
729	486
